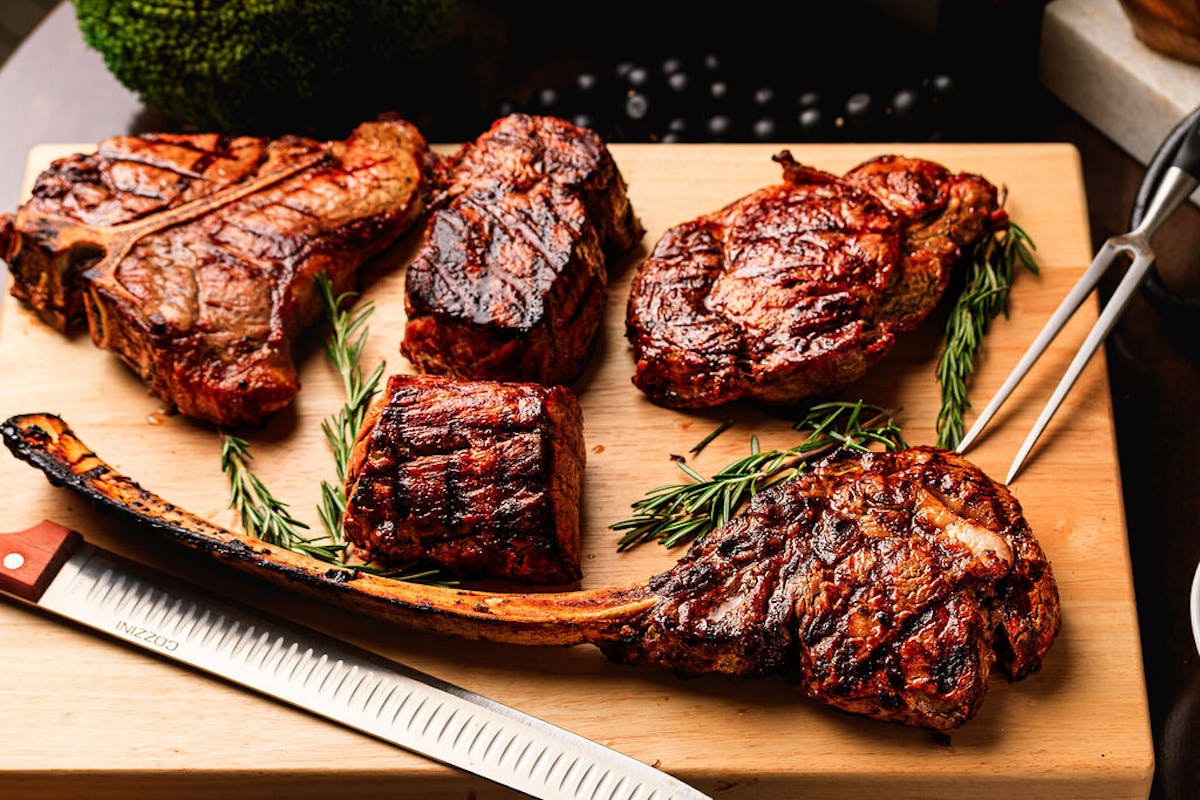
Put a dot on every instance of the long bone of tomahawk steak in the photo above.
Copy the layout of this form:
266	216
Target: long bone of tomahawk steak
884	584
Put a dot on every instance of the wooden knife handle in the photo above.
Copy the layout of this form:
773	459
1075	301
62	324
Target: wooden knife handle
30	559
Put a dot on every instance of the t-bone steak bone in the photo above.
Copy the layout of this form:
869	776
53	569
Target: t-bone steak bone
795	290
193	256
882	584
511	279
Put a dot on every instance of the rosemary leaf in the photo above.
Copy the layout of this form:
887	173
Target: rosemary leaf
699	448
993	263
268	518
344	348
262	515
332	508
682	512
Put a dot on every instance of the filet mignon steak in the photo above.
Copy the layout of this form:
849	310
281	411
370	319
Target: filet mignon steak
795	290
480	478
510	282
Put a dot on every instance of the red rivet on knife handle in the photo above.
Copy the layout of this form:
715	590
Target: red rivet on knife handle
30	559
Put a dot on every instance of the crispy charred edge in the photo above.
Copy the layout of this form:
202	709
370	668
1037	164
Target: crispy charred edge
46	442
8	238
560	428
1027	599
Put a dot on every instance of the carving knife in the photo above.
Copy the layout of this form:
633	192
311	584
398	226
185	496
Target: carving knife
54	569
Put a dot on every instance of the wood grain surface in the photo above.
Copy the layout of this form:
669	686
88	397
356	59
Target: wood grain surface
83	716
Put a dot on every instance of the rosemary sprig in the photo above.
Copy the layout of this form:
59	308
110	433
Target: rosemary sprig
344	349
262	514
985	294
268	518
681	512
703	443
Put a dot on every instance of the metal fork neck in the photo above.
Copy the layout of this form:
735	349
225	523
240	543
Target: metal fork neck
1175	187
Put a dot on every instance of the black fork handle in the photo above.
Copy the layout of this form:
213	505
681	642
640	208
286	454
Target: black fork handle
1188	156
1180	148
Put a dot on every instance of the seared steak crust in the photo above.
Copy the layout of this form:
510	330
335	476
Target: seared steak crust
883	584
796	290
479	478
521	150
193	256
510	282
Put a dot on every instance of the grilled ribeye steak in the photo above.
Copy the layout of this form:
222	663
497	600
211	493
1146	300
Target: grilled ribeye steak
886	584
510	281
193	256
883	584
480	478
795	290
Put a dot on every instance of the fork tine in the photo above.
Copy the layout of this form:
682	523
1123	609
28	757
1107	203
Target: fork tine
1108	318
1069	305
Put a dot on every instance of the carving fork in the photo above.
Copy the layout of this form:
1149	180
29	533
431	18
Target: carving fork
1177	183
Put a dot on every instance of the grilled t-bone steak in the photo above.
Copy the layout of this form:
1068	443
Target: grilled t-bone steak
795	290
510	281
882	584
193	256
478	478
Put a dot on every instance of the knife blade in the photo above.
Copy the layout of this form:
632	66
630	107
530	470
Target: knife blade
53	568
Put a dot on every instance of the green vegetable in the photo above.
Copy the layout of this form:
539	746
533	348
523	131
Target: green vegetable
993	266
265	516
261	66
344	349
681	512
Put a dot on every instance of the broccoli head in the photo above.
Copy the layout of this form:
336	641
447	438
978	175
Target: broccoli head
260	66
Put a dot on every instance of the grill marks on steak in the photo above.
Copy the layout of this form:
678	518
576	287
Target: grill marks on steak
882	584
507	286
510	282
480	478
797	289
942	214
193	257
521	151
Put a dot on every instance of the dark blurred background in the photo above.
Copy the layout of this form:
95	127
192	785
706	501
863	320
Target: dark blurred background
849	71
672	71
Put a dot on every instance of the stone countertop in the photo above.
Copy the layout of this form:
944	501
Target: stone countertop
1092	61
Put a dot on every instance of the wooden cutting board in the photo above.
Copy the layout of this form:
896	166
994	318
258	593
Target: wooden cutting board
83	716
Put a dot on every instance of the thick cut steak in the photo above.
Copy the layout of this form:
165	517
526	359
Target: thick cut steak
193	256
479	478
510	281
797	289
884	584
